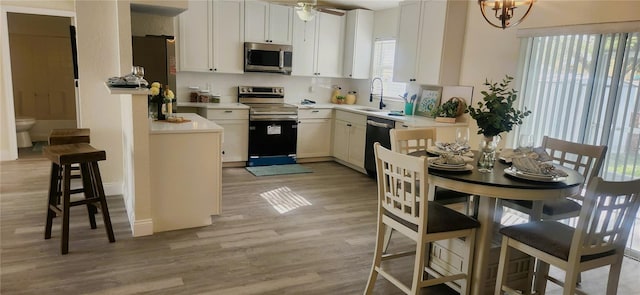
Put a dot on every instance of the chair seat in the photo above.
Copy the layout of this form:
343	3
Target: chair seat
551	237
551	208
440	219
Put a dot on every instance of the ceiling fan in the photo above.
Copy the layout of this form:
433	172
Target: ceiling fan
306	10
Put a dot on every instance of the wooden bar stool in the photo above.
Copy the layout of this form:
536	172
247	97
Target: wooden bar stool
69	136
62	157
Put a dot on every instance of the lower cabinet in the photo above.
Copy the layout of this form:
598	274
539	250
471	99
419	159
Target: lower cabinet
235	140
314	133
349	138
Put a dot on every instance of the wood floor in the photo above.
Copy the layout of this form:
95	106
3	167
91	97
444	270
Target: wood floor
293	234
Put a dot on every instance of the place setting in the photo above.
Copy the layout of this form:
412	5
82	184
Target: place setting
534	170
450	162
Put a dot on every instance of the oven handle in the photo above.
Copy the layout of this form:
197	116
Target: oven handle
273	118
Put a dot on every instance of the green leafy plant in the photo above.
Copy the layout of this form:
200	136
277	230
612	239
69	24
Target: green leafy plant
448	109
495	113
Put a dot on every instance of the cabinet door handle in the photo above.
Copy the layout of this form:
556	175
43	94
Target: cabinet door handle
348	125
228	111
315	111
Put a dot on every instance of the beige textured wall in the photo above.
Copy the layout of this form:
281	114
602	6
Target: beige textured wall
150	24
491	53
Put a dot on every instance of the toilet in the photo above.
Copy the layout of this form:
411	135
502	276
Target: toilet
23	125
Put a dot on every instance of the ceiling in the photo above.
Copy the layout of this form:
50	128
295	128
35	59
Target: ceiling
349	4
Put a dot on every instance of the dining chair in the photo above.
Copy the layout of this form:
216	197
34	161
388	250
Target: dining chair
419	139
403	206
604	223
584	158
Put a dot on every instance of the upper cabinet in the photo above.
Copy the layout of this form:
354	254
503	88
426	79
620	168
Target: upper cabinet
268	23
429	41
358	43
318	46
211	36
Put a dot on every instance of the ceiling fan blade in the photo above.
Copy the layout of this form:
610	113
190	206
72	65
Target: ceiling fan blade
329	11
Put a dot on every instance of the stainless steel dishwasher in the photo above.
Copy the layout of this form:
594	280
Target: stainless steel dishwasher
377	131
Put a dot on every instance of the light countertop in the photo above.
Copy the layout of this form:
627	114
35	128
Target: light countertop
197	124
408	121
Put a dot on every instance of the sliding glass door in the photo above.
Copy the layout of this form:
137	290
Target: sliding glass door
584	88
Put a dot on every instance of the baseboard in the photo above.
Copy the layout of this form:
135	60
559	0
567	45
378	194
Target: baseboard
314	159
141	228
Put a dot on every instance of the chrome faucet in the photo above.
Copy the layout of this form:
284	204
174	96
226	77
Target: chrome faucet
382	105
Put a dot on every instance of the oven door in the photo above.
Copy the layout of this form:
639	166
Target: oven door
273	138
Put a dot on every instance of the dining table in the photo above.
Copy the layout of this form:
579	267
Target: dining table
490	187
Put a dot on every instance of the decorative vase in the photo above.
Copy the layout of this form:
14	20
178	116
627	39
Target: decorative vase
487	156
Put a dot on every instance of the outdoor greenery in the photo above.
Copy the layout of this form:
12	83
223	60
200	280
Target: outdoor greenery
495	113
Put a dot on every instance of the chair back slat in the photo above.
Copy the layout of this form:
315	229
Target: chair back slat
583	158
410	140
399	191
608	212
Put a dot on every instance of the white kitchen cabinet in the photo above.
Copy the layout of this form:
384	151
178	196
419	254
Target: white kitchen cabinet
268	23
358	44
429	42
318	46
349	136
211	36
314	133
235	137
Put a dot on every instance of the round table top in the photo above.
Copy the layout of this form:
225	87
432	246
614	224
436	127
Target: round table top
498	178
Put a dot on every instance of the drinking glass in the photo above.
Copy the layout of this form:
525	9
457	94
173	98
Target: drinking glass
525	144
138	71
462	136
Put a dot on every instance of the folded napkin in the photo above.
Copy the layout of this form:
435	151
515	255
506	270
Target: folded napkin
532	166
538	154
450	160
452	147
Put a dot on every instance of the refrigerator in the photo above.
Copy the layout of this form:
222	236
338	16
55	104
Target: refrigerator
157	54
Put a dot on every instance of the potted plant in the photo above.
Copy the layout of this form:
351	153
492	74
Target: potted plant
340	99
450	110
494	115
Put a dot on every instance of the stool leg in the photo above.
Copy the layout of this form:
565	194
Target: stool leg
89	193
53	198
99	190
66	204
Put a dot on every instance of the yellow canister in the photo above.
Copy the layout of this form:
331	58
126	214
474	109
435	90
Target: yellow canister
351	97
334	94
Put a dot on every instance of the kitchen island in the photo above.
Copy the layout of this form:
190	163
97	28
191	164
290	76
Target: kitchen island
160	167
186	172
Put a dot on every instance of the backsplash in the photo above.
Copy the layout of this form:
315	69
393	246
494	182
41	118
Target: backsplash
296	88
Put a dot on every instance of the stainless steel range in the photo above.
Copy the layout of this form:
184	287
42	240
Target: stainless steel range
273	125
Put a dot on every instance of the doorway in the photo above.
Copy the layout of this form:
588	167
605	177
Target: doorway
42	77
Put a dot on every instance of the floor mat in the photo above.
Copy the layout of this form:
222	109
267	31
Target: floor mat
278	170
38	145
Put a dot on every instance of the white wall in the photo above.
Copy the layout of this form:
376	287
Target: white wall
491	53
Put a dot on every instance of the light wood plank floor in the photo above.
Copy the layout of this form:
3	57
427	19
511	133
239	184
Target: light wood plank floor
322	245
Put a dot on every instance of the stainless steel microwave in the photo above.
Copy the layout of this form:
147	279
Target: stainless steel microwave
268	58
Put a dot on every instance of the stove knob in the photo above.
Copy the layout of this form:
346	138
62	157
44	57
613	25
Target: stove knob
243	90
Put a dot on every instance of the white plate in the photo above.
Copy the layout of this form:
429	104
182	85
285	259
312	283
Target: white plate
467	167
446	165
535	177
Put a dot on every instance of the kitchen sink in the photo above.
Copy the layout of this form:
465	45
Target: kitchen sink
368	109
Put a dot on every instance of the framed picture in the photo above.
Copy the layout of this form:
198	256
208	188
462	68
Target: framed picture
428	99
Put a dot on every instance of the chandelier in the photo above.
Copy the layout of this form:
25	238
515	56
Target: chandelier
504	11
